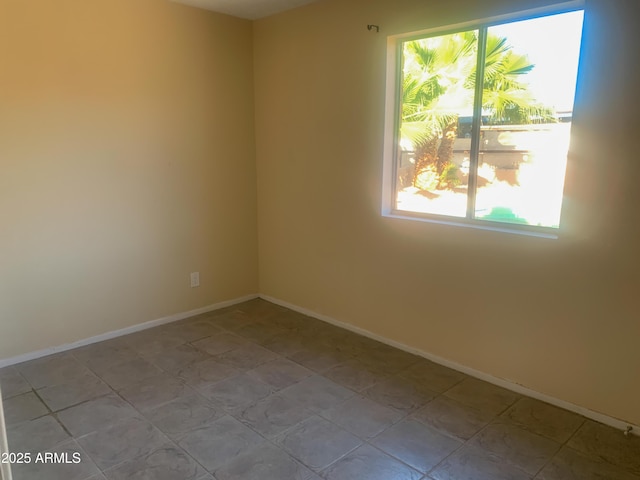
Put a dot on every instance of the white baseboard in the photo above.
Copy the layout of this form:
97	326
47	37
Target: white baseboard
123	331
515	387
509	385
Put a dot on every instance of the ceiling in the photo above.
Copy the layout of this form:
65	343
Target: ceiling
250	9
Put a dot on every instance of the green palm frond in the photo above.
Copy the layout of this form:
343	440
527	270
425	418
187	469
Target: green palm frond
417	132
515	106
439	82
430	126
496	47
503	66
426	57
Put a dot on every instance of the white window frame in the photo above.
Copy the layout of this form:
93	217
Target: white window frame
393	106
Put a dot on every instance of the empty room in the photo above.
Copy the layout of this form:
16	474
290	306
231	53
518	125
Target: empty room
331	239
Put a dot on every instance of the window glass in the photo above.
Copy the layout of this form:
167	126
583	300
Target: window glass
437	99
489	147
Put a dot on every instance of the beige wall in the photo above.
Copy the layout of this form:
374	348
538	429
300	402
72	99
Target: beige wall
126	162
557	316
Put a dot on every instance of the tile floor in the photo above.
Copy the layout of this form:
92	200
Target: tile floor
259	392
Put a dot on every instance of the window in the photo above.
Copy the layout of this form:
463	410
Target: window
479	119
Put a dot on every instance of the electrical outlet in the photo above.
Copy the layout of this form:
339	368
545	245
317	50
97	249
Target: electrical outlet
195	279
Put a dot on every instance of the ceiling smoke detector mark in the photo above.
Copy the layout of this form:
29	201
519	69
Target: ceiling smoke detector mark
195	279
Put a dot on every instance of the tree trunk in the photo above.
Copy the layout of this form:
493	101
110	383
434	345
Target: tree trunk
445	151
426	154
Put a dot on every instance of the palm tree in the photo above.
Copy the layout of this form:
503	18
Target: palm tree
439	75
504	94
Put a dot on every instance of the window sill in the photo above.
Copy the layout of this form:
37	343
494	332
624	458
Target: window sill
539	232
